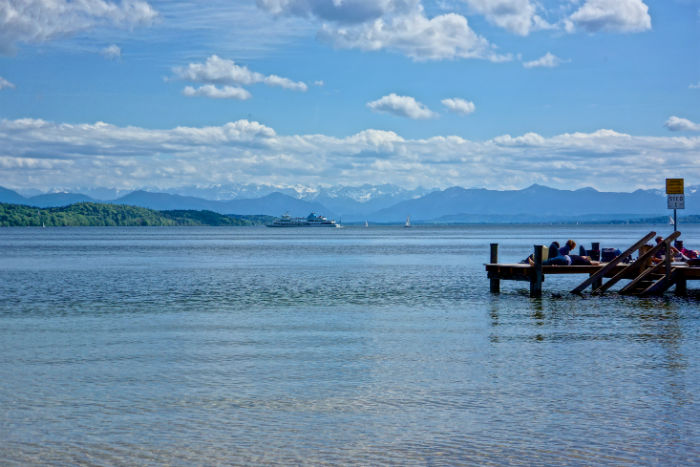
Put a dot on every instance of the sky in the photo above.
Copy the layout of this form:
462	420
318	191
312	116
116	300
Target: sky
497	94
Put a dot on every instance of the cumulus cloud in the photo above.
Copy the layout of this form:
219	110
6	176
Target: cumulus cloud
37	21
402	106
341	11
286	83
399	26
611	16
218	70
548	60
694	85
37	153
439	38
517	16
681	124
5	84
112	52
459	106
225	92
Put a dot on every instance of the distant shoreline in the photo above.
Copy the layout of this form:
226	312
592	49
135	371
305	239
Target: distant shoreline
111	215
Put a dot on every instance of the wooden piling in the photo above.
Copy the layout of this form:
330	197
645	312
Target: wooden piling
495	282
536	274
681	286
668	258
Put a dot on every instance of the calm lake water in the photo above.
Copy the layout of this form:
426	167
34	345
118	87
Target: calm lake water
368	346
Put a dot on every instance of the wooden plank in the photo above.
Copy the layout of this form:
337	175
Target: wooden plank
639	278
603	270
639	264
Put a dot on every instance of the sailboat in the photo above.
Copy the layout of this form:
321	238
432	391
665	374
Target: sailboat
408	221
670	221
366	224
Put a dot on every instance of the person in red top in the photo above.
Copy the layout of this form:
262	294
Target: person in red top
686	253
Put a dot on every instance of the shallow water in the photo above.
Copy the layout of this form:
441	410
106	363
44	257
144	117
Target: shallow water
377	345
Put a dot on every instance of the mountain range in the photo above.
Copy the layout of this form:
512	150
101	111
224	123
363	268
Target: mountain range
390	204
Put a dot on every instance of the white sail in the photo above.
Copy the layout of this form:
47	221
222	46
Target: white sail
408	221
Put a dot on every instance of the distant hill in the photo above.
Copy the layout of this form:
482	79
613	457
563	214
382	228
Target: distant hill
536	203
45	200
391	204
274	204
96	214
9	196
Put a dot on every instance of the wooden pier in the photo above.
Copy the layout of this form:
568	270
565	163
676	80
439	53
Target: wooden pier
645	277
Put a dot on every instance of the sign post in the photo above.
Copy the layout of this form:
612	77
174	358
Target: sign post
675	197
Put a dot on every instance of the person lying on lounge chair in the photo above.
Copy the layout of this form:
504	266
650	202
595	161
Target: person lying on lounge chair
686	254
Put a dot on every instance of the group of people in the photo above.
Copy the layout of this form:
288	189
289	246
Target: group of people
562	256
679	252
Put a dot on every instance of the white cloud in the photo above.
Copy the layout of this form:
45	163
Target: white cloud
402	106
340	11
681	124
112	52
611	16
399	26
225	92
134	157
548	60
5	84
694	85
218	70
286	83
319	83
444	37
516	16
459	106
37	21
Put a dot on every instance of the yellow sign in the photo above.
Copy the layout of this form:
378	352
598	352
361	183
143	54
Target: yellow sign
674	186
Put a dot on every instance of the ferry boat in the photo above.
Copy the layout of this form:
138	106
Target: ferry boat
312	220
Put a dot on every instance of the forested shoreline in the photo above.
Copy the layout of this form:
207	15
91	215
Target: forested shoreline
99	214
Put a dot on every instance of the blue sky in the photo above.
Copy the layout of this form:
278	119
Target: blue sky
477	93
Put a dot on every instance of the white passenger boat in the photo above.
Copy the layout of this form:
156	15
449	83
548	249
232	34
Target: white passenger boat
312	220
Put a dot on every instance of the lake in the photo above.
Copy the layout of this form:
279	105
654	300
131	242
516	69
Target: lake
379	345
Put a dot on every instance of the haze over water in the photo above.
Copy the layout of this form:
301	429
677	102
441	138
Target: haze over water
352	346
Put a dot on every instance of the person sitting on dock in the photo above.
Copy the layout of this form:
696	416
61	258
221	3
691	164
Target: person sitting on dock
566	249
553	252
661	253
561	256
686	253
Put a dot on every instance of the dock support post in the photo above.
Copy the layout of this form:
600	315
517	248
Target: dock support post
536	273
595	256
681	286
495	283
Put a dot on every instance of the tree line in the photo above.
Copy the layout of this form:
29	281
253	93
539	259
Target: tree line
98	214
